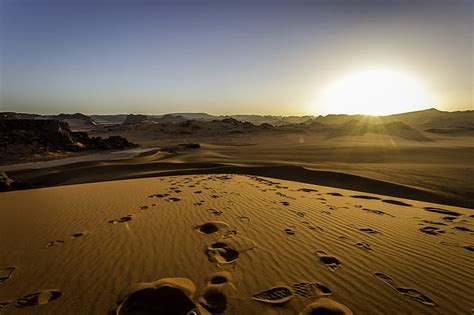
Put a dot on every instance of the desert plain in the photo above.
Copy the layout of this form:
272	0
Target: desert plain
289	220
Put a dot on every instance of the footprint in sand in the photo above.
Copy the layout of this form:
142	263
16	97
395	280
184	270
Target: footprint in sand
6	273
212	227
449	219
79	234
434	222
442	211
122	219
411	293
285	203
38	298
327	307
312	227
397	202
54	243
431	230
307	190
363	245
218	289
290	231
310	289
222	253
330	261
173	199
275	295
369	230
335	194
242	217
143	207
159	196
365	197
463	228
165	296
215	211
198	192
379	212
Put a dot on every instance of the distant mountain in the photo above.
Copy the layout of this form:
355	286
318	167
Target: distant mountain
337	119
136	119
13	115
109	119
422	119
75	120
273	120
393	129
419	120
193	116
415	118
254	119
173	118
164	119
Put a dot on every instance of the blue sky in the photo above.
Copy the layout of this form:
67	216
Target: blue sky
263	57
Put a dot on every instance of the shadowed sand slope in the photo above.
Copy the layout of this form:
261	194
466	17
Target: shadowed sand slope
230	243
156	165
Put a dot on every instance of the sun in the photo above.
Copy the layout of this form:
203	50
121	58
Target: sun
374	92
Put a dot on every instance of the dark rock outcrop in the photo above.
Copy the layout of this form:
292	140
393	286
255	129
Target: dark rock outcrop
13	115
135	119
6	183
39	132
77	117
23	137
190	145
171	119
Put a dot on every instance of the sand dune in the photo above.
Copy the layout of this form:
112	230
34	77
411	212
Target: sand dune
231	243
155	163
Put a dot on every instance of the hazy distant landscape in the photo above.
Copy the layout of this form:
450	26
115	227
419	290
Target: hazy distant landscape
387	148
329	179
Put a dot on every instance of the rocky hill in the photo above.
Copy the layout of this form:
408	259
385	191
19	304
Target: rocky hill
21	138
136	119
75	120
361	128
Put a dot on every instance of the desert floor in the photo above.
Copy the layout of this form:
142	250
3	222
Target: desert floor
442	166
78	248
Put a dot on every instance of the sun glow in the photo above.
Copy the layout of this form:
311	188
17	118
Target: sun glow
374	92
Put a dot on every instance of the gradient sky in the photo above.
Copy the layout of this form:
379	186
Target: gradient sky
225	57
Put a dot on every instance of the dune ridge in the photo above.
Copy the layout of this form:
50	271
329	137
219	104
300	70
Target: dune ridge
155	163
